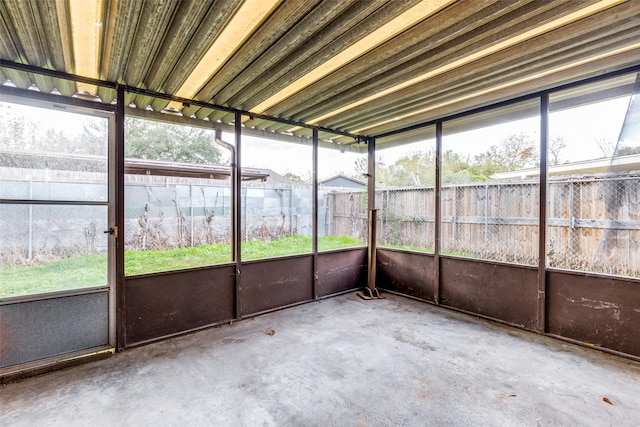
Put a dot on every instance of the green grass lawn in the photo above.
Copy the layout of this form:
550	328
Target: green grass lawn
71	273
407	248
89	271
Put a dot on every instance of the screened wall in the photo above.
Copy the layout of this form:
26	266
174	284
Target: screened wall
523	212
405	195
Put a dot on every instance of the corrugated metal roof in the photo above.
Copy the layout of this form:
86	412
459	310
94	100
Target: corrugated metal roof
362	67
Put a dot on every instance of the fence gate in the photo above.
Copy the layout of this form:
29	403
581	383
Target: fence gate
57	244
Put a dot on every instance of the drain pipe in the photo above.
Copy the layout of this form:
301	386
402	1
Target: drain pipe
232	149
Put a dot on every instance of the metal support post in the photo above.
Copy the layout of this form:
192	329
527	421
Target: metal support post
237	205
542	232
314	226
371	292
438	218
121	319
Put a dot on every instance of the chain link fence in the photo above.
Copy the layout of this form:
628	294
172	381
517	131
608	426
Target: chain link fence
344	213
186	215
406	218
594	224
175	216
491	221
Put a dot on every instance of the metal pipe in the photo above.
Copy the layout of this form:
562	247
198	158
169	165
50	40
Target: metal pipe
371	149
232	149
235	229
371	265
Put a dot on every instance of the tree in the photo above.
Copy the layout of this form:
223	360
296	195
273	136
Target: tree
417	168
293	177
360	168
151	140
556	145
627	150
455	168
607	147
22	130
515	152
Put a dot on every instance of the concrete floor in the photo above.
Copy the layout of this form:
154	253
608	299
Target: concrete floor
340	362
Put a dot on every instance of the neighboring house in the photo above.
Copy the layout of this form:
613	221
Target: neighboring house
629	163
342	181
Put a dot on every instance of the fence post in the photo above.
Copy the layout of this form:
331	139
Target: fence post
571	216
191	212
486	214
385	218
244	216
454	217
30	251
291	211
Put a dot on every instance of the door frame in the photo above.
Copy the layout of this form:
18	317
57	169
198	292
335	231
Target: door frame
89	108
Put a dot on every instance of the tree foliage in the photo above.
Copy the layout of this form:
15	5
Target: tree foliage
22	132
418	168
144	139
556	145
627	150
151	140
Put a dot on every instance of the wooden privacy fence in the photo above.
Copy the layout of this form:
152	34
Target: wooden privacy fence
593	222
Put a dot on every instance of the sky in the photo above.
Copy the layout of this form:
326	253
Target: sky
580	127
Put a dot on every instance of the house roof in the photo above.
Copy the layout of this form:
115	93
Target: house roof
350	68
343	177
163	168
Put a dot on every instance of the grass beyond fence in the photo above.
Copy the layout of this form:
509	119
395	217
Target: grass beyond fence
91	270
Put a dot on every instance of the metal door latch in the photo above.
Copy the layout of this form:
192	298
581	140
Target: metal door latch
113	231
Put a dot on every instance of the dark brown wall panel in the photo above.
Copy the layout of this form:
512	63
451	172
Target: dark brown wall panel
273	283
408	273
503	292
341	271
164	304
604	311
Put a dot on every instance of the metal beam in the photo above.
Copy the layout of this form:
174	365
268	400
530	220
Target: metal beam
542	228
236	213
394	61
121	324
151	94
489	73
314	226
537	94
438	212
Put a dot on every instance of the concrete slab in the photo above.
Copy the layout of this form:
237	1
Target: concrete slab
340	362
